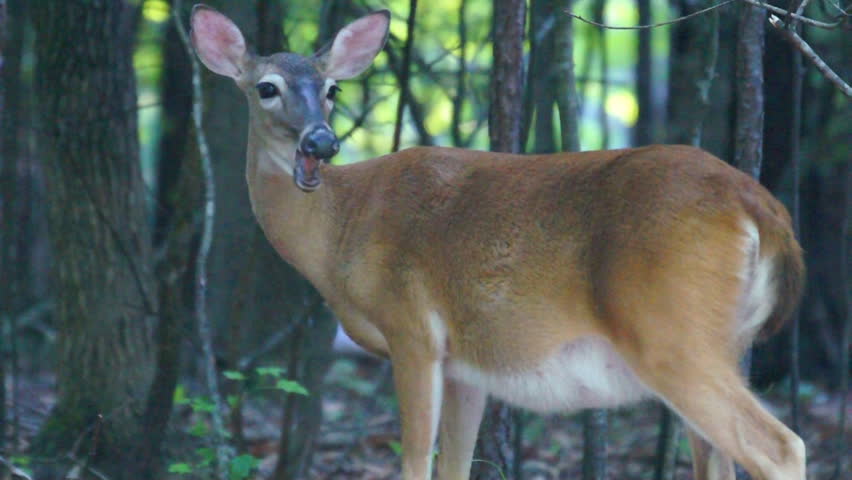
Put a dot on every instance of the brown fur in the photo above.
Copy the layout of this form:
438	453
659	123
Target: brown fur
440	257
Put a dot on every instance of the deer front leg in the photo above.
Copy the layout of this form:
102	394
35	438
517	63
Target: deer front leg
461	414
418	378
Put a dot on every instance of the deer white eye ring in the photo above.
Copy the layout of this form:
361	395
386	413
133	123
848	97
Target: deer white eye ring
329	85
275	100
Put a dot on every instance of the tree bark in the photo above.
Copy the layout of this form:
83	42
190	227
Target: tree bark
504	131
748	151
98	230
643	132
566	85
504	119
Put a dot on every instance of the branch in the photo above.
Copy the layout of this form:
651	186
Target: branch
796	16
222	454
655	25
811	55
756	3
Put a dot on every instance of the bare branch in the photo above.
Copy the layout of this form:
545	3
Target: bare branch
655	25
811	55
796	16
756	3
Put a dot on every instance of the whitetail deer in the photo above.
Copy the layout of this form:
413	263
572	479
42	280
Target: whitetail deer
554	282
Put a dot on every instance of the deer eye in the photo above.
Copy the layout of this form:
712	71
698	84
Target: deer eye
266	90
332	92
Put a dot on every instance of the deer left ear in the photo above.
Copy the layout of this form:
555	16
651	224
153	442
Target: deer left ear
355	46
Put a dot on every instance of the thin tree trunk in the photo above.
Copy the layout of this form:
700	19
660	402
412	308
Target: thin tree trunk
601	33
595	421
594	444
175	229
461	74
494	445
643	132
99	233
748	150
566	87
405	74
748	147
11	46
846	336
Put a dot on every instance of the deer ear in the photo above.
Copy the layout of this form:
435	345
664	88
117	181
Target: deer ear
355	46
219	43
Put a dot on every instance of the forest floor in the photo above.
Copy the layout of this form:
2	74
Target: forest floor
359	437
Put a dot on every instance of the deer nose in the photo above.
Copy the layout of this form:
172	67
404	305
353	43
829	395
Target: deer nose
321	143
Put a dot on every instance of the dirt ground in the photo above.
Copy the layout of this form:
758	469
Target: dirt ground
360	432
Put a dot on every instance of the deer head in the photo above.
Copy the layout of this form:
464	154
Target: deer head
290	96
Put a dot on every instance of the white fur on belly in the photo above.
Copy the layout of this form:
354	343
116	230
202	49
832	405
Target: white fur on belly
584	373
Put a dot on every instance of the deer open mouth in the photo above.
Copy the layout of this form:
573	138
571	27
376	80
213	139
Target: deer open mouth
307	175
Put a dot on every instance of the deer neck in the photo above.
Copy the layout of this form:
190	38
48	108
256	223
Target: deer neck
296	223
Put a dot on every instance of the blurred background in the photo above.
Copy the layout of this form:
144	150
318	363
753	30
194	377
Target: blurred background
103	368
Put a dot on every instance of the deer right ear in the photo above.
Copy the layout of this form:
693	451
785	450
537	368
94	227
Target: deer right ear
218	42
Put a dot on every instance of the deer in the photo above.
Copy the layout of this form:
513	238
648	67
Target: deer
553	282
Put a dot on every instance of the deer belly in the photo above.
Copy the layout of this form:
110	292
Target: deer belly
585	373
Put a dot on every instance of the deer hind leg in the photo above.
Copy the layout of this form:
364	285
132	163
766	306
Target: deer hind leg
713	400
461	414
708	462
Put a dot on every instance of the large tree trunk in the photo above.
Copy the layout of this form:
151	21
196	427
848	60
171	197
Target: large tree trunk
504	132
98	230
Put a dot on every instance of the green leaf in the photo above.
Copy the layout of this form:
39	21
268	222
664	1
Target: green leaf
207	454
199	430
291	386
233	375
20	460
180	397
233	400
181	468
242	466
396	447
270	371
202	404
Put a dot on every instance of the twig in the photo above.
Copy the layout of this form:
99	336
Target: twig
654	25
781	11
811	55
756	3
204	330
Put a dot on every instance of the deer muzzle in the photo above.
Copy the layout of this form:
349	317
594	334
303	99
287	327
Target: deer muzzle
318	144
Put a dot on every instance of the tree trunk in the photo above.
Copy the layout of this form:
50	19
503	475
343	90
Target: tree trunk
748	151
178	195
541	74
504	131
643	132
98	230
692	46
566	84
